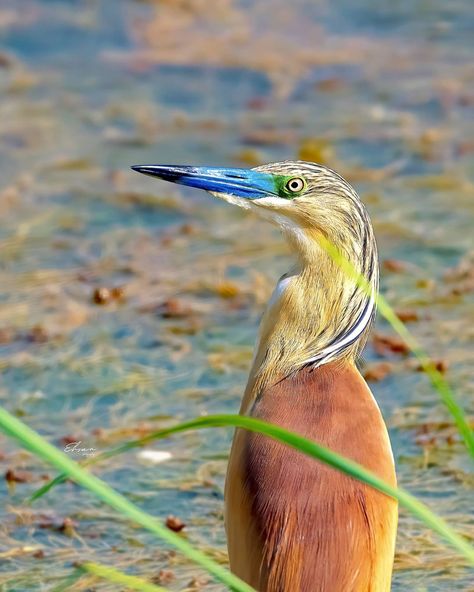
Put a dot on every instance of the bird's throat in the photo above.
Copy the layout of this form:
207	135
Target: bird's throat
315	316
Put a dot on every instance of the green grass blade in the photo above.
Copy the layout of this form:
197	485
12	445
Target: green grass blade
110	574
437	379
118	577
39	446
316	451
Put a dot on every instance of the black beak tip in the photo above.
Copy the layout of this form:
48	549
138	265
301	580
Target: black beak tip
137	167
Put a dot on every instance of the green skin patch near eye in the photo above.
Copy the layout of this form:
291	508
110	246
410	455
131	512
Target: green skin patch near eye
283	189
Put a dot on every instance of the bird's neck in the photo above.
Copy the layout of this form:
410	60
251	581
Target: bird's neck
316	315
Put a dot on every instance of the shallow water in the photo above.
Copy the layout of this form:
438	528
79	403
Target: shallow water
384	95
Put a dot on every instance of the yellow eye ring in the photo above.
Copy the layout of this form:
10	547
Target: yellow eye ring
295	185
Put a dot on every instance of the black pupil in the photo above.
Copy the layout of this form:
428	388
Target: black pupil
294	184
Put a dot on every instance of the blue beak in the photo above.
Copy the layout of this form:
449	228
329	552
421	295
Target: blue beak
245	183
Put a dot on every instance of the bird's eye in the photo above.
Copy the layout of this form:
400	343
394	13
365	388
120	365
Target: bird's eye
295	185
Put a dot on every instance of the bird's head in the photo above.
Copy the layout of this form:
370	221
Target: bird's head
303	198
316	313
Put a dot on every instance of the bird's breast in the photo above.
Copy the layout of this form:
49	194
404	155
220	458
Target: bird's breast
297	515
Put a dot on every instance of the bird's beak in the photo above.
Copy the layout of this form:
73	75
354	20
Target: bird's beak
246	183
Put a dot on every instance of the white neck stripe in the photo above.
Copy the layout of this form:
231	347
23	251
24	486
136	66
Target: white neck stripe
331	351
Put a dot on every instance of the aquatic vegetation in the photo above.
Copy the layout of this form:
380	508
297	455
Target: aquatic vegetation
124	313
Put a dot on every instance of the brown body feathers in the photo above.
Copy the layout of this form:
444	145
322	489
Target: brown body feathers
296	525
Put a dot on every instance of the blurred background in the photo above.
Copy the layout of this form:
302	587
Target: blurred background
128	304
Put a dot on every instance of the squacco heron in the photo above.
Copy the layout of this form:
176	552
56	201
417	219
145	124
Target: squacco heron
294	524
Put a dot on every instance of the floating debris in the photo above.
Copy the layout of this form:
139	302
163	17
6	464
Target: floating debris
407	316
378	371
384	344
154	456
164	576
174	523
16	476
439	365
394	265
174	308
103	295
317	150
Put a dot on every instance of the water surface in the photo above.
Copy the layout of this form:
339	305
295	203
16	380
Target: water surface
384	94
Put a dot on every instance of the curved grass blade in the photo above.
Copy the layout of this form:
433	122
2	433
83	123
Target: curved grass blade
349	467
437	379
33	441
118	577
110	574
